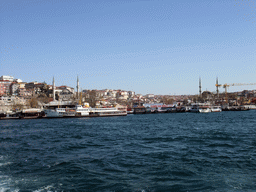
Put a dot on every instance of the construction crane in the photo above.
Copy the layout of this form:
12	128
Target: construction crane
226	86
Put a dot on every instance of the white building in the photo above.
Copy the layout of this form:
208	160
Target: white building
6	78
150	95
131	93
18	80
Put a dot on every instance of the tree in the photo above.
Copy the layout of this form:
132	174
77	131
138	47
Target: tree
167	100
42	98
91	98
33	102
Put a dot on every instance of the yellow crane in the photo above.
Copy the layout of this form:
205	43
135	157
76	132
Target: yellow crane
225	86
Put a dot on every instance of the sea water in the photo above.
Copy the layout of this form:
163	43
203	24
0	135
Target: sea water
151	152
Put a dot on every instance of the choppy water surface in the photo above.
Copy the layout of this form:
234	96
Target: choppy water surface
154	152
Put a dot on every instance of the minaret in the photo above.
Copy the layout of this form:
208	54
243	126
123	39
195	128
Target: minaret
53	88
200	87
217	87
77	87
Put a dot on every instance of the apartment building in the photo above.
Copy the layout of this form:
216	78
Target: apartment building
5	87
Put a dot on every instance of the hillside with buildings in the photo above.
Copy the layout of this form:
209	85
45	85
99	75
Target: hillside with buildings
16	95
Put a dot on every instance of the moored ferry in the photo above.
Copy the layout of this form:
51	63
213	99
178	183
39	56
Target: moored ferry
73	111
77	111
103	112
52	113
31	113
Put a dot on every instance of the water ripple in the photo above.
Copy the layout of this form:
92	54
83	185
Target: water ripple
154	152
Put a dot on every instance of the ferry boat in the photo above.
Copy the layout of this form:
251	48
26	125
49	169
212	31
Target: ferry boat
77	111
52	113
82	110
103	112
31	113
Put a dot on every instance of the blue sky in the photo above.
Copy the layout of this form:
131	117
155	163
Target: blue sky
148	46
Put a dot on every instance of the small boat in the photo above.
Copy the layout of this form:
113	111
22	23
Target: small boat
2	114
139	110
171	109
161	110
205	109
187	109
148	110
216	109
130	112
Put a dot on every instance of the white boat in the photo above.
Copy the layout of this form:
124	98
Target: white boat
161	110
216	109
130	112
188	108
82	111
69	112
62	111
205	109
102	112
77	111
52	113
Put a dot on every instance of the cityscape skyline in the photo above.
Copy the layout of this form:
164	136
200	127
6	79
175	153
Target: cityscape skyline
150	47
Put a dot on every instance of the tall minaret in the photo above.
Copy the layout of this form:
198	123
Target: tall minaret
53	88
217	87
77	87
200	87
